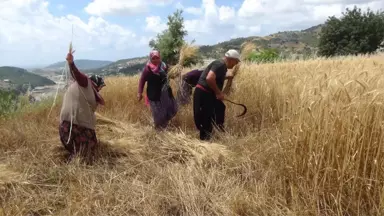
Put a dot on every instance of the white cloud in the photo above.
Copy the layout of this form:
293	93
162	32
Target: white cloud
226	13
33	35
260	17
154	24
194	10
190	10
122	7
250	8
216	24
61	7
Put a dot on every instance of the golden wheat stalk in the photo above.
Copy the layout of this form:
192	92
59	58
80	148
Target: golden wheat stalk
187	51
247	48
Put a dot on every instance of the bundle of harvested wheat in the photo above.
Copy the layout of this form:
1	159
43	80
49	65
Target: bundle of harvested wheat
247	48
186	51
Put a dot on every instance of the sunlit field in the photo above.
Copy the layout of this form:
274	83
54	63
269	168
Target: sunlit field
311	143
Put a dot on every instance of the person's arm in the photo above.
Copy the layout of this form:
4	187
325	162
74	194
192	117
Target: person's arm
228	86
229	77
80	78
142	81
211	80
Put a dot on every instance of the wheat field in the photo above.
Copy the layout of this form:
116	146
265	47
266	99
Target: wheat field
310	144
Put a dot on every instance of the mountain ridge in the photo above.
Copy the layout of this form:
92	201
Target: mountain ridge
81	64
300	43
20	76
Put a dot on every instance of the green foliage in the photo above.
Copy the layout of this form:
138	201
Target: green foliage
354	33
171	40
8	102
264	56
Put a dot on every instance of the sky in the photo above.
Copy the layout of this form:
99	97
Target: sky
38	32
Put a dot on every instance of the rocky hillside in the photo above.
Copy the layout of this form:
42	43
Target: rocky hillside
302	42
122	66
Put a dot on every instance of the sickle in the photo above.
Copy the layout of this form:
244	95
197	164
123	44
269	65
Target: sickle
242	105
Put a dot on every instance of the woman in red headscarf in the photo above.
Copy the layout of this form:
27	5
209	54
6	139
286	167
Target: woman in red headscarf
161	100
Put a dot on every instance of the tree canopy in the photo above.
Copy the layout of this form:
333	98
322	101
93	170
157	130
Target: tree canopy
171	40
356	32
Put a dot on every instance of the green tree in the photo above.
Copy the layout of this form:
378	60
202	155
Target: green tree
356	32
171	40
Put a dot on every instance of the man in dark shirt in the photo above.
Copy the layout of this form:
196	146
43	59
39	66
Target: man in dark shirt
208	95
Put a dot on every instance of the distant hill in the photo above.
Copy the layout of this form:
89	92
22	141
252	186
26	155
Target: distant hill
83	64
122	66
19	76
302	43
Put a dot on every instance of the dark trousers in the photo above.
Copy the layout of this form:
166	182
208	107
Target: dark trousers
206	111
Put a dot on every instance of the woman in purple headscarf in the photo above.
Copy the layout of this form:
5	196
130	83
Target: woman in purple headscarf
159	93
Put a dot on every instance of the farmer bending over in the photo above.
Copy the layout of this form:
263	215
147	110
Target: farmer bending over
77	116
189	81
208	96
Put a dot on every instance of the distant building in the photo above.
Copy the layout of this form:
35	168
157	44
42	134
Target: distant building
7	81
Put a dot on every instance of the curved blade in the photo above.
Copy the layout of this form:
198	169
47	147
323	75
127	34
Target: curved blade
242	105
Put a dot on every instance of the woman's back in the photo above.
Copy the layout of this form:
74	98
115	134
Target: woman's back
79	105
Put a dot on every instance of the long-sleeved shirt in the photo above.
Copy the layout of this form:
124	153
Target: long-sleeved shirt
79	77
82	80
146	72
143	79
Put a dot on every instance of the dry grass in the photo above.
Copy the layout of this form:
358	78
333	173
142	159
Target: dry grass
247	48
311	144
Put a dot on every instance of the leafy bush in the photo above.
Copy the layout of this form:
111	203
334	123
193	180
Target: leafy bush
354	33
13	101
264	56
8	102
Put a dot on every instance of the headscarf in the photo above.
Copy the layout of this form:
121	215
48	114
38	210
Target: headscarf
98	81
155	68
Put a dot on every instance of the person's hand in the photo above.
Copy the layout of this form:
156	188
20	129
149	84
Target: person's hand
139	96
220	96
70	58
